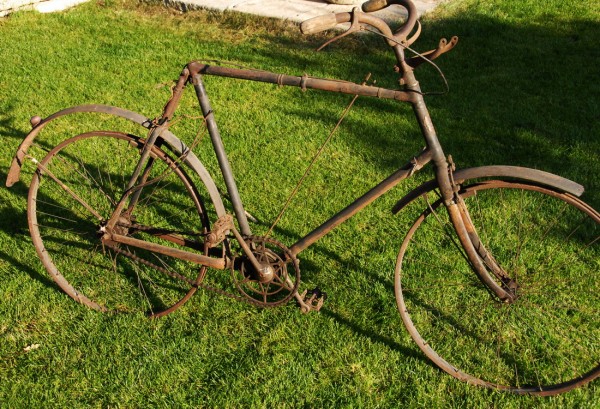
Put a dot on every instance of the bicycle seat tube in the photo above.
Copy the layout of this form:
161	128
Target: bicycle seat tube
144	165
219	149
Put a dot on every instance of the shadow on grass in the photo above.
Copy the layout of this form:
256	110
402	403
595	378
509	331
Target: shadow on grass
13	222
414	352
522	93
9	127
46	281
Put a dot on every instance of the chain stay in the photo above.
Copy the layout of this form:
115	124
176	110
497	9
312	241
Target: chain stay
198	284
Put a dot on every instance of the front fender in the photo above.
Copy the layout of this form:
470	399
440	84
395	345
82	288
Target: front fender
513	172
175	143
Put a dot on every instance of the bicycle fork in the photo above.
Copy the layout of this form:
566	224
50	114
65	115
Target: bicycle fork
509	286
480	259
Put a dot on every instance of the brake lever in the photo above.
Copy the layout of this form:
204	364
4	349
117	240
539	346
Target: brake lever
354	27
443	47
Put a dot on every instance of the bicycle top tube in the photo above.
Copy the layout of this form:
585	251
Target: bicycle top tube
304	82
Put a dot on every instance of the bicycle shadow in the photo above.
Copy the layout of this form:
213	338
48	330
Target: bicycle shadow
310	270
13	223
8	126
515	105
376	338
19	266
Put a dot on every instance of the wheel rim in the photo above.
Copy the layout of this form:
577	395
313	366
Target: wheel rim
95	167
543	343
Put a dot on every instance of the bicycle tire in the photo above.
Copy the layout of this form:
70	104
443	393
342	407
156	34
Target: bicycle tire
95	168
545	342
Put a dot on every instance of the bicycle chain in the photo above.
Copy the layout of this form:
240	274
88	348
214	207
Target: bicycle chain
140	227
171	274
193	283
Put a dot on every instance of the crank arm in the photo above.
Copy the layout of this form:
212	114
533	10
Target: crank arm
248	251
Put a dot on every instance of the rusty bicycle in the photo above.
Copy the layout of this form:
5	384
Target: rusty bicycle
122	224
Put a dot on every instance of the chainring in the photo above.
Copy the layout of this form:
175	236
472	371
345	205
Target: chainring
282	285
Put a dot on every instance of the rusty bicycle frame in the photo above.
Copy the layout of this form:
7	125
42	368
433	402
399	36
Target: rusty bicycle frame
433	152
193	73
447	179
445	176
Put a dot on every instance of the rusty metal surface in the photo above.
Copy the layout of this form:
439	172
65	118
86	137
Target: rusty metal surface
303	82
515	172
175	143
112	238
276	280
443	47
220	153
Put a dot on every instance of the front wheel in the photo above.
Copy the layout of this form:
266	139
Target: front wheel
545	341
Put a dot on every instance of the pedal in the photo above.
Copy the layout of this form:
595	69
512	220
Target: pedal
312	300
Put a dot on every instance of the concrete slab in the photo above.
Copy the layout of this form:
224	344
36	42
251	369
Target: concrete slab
294	10
43	6
56	5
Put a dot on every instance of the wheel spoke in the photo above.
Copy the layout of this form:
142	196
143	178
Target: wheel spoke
93	169
545	242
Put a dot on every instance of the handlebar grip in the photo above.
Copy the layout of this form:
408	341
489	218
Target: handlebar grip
322	23
374	5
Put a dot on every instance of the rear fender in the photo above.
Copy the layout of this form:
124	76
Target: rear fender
175	143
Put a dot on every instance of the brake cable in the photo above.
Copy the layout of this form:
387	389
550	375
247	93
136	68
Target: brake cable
418	54
314	160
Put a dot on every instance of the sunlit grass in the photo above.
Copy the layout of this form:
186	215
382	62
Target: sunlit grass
516	98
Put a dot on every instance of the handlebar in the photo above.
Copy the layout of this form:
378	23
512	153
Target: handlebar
404	30
322	23
329	21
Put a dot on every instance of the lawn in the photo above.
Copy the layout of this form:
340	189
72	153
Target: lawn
523	91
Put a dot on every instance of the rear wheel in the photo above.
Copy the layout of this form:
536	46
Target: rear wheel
73	194
544	342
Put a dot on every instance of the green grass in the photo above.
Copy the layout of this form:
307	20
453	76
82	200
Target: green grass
523	91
